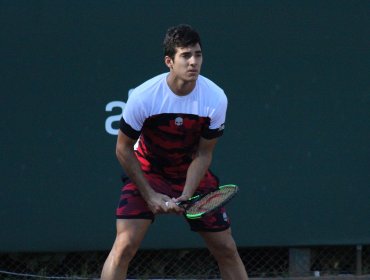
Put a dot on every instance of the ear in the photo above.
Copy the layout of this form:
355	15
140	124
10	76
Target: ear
168	61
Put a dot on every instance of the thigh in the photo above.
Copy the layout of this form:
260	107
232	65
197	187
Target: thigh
130	232
131	204
216	221
219	242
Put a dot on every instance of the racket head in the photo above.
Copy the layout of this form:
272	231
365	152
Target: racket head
200	205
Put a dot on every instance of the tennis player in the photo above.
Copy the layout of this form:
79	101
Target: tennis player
168	132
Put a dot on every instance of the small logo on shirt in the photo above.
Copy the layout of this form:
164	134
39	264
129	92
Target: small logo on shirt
179	121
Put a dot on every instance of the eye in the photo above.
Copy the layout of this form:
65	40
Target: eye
186	55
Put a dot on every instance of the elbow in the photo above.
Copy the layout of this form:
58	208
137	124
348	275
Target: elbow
124	154
120	152
124	149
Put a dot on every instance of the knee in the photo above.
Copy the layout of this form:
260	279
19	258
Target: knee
225	251
123	252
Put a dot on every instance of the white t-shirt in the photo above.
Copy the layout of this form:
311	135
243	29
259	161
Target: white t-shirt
170	126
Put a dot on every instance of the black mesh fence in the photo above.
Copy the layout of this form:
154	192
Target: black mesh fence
276	262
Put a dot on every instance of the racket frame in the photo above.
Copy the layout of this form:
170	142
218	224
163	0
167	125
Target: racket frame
194	199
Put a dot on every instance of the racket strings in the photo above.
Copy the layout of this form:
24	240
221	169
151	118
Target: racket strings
211	200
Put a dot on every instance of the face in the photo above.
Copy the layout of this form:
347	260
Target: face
187	62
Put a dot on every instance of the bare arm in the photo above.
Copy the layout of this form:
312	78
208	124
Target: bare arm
127	158
198	167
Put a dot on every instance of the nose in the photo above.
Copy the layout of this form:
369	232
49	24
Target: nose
193	60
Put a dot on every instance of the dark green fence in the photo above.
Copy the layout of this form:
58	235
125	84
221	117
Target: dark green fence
297	134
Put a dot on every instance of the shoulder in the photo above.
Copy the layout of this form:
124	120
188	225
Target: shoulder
205	82
147	88
212	90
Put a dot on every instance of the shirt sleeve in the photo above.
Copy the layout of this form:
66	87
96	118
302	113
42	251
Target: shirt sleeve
128	130
217	119
133	118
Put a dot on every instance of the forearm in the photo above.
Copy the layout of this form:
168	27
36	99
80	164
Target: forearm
196	172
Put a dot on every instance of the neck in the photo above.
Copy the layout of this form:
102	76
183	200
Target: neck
179	86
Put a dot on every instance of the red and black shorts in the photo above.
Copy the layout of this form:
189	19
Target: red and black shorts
133	206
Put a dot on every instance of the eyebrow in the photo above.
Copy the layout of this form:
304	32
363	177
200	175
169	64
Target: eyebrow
185	53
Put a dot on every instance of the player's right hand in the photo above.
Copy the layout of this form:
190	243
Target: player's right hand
161	203
157	202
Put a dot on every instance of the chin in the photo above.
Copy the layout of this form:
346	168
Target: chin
192	78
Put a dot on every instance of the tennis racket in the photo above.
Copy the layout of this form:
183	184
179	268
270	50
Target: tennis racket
199	205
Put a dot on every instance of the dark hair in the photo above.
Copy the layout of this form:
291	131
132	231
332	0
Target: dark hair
182	35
